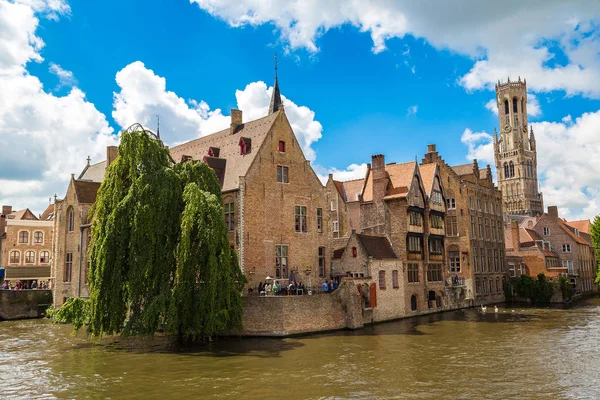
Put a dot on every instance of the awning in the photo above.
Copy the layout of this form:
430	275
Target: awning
26	273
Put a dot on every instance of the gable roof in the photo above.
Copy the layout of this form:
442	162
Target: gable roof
427	175
352	189
237	164
94	172
24	214
570	231
582	226
86	191
48	214
340	188
463	169
378	247
337	254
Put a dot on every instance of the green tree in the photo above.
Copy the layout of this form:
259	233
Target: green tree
159	257
595	234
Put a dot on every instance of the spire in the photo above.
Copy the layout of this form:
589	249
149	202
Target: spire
276	95
495	135
158	126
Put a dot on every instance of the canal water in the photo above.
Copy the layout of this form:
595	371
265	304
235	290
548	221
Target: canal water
514	354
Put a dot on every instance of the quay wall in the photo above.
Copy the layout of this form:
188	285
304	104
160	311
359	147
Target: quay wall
22	304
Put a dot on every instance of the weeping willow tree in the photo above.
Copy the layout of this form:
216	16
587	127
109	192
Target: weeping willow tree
160	258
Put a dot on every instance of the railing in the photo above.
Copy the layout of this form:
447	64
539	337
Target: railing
455	281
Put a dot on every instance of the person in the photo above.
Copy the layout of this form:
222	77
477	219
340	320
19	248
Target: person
268	289
260	287
325	286
34	285
276	287
335	284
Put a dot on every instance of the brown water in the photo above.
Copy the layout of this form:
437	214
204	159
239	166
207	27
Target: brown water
528	354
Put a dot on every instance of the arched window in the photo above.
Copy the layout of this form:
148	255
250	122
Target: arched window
38	237
381	279
413	303
15	257
29	257
515	105
44	257
511	167
70	219
484	286
506	110
506	170
23	237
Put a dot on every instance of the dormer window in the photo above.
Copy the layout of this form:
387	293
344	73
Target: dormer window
281	146
354	252
245	145
214	152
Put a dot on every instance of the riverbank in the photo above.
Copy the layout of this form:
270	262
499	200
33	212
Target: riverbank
23	304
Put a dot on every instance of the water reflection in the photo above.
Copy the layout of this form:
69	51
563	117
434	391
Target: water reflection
528	353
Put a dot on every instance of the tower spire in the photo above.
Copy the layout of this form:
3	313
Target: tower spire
158	126
276	95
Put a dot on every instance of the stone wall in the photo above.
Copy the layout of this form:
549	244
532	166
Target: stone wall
290	315
21	304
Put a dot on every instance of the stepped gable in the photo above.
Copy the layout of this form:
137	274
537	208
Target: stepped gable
236	164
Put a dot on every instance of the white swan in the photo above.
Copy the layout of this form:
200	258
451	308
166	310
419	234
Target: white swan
495	309
483	308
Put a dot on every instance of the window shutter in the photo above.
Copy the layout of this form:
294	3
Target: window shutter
373	293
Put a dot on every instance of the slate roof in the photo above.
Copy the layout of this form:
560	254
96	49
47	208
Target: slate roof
94	172
237	164
378	247
86	191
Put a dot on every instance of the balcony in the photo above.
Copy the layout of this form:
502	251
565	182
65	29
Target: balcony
455	282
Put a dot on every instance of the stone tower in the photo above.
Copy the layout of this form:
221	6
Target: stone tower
515	152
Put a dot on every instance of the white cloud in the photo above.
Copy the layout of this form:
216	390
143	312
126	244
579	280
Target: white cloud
65	78
353	171
568	172
412	110
48	137
533	106
143	95
503	38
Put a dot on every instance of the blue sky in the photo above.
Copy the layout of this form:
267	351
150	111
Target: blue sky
385	77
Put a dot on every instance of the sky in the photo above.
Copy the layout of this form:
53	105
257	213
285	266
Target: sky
358	78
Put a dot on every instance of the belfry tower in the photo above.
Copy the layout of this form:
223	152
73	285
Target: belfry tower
515	152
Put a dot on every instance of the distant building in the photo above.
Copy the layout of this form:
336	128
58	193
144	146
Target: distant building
26	245
474	239
515	152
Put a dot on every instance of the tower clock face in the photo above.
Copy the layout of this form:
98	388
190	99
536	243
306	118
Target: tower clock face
507	128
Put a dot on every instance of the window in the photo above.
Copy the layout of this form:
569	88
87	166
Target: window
436	197
435	245
500	235
489	260
436	221
229	209
415	218
491	207
38	237
245	145
281	146
546	231
300	219
320	220
477	287
395	279
475	262
44	257
480	220
478	204
506	108
413	303
497	286
515	105
495	260
484	286
511	270
15	257
451	203
434	272
70	220
414	244
471	203
485	209
354	252
451	226
413	273
473	231
381	279
506	171
281	265
501	260
493	230
454	257
282	174
29	257
321	261
482	255
569	265
332	205
487	229
23	237
336	226
491	286
566	248
68	267
511	167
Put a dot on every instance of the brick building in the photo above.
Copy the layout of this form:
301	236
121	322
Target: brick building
72	230
26	245
474	228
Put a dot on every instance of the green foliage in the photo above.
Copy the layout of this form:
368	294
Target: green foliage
565	288
74	311
595	234
538	291
159	258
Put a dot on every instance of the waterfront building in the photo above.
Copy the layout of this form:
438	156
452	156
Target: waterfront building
515	152
474	250
72	227
26	245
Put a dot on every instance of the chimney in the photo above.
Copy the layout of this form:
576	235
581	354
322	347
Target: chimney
111	154
514	233
236	120
431	155
380	180
431	148
553	211
6	210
